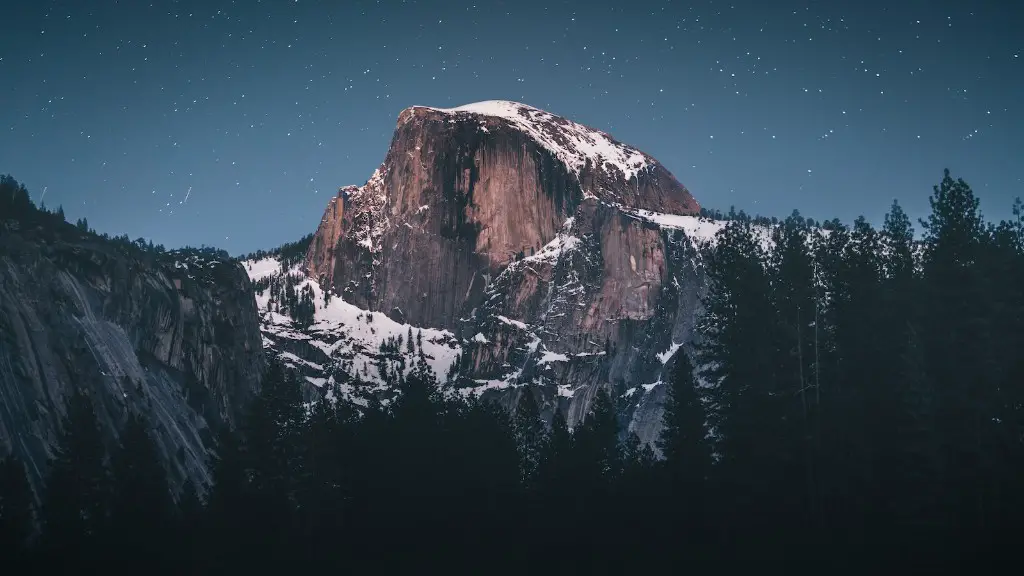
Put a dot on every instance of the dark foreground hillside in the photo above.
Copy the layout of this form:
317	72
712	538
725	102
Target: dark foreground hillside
865	394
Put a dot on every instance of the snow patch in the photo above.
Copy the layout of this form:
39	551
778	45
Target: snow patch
260	269
549	357
484	385
699	229
342	330
668	354
509	321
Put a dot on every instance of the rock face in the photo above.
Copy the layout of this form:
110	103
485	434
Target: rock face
461	193
174	336
556	256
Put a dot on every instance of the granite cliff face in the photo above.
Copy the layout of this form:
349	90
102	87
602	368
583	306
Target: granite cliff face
174	336
461	193
536	251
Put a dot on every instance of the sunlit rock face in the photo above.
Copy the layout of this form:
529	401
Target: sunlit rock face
461	194
174	337
543	253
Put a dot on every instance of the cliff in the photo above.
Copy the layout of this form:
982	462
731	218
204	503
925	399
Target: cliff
531	250
461	194
171	335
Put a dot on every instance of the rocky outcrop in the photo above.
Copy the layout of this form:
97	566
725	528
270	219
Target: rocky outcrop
561	258
174	336
461	194
604	306
328	236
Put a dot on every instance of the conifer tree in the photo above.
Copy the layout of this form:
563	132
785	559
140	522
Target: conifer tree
529	431
76	506
791	269
272	434
189	528
733	354
686	452
229	508
141	509
596	450
275	459
898	239
16	509
556	487
552	468
958	345
324	487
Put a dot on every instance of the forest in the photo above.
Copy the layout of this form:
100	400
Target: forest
853	400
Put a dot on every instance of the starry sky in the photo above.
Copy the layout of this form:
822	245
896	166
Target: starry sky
231	123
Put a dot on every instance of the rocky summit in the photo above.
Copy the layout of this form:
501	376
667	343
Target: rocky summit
514	248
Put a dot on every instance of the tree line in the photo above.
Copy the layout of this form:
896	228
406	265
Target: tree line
854	400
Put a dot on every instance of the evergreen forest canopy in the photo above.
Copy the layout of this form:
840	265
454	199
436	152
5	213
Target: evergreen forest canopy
865	394
19	213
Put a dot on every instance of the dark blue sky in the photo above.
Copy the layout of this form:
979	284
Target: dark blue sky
258	110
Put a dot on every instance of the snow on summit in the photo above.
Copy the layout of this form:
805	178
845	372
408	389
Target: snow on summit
570	142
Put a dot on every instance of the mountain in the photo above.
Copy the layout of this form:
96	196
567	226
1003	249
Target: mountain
169	335
525	248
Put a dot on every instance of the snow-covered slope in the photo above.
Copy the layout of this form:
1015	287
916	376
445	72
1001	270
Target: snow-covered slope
342	342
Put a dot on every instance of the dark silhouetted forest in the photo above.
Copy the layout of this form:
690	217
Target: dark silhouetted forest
854	402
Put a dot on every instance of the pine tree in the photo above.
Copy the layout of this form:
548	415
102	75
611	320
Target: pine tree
1004	268
597	442
957	348
556	488
687	462
555	457
737	323
597	460
272	432
641	551
275	459
791	269
16	509
686	452
231	509
898	239
858	411
638	459
188	526
324	488
75	511
755	408
530	436
142	511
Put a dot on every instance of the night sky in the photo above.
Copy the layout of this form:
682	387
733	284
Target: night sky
232	123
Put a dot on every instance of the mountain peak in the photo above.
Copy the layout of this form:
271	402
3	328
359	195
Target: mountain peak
573	143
